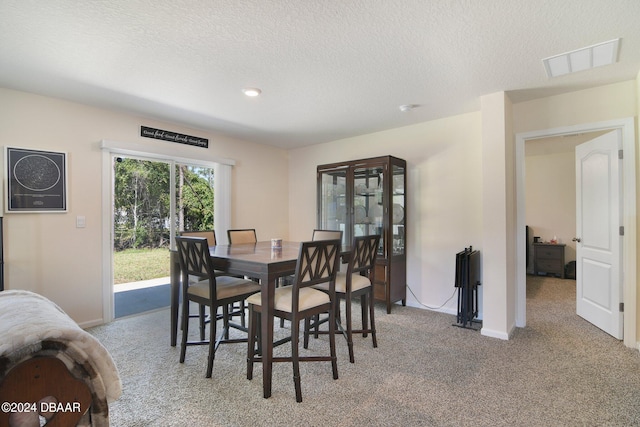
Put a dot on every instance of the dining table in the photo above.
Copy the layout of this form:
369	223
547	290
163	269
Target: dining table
255	260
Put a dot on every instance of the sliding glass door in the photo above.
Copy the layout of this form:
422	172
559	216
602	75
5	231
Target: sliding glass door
194	195
152	201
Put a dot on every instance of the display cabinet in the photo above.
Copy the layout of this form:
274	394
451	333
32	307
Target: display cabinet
368	196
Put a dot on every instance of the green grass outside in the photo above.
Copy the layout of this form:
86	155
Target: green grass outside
133	265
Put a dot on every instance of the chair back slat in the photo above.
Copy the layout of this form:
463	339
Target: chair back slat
317	263
363	254
194	257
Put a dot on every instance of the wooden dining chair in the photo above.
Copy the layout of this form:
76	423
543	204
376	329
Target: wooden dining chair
317	263
208	290
244	235
210	235
317	234
357	281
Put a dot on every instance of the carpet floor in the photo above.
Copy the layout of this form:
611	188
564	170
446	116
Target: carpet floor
557	371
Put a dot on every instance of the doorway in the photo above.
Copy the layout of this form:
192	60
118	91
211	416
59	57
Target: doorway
141	234
192	156
152	201
626	127
550	194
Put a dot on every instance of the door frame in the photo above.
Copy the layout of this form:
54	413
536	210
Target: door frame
627	130
113	148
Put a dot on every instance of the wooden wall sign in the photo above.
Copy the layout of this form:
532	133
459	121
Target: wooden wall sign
180	138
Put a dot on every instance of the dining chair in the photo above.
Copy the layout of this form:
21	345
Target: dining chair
244	235
317	234
208	290
357	281
317	263
210	235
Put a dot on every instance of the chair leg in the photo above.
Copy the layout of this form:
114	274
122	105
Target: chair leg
332	343
316	320
185	328
349	329
212	346
251	342
258	334
295	325
201	318
372	320
364	315
338	311
243	313
225	320
307	328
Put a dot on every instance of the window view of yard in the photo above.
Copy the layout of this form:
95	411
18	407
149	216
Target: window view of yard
133	265
142	215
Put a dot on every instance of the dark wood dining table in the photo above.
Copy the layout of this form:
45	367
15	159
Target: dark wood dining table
255	260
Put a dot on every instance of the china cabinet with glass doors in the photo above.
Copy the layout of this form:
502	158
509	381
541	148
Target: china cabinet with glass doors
368	196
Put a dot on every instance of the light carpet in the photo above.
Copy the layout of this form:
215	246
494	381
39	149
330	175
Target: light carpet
558	371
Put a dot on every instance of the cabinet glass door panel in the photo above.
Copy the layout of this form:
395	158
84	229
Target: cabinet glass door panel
368	202
364	197
333	213
398	209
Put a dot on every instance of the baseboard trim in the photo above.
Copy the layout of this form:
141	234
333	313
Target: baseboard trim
494	334
91	323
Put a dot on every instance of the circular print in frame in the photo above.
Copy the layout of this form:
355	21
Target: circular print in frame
36	172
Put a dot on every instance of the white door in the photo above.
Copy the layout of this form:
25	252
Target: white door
598	239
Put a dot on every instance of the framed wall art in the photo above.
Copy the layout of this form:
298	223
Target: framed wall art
36	180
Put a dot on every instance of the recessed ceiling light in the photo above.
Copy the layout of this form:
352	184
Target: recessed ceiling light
251	91
582	59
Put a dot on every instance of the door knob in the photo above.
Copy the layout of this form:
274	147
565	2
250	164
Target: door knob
577	239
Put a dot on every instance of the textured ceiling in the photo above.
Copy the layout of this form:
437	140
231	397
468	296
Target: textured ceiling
328	69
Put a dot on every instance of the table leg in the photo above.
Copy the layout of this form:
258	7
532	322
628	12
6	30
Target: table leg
267	333
174	280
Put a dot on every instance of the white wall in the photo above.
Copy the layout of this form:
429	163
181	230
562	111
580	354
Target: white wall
498	206
637	93
46	253
444	209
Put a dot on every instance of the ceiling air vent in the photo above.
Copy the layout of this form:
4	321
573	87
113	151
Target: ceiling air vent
582	59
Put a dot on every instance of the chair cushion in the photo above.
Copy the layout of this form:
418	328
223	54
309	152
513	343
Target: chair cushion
357	282
309	298
232	287
197	279
200	289
226	286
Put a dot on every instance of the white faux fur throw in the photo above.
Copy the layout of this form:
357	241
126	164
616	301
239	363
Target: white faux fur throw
27	320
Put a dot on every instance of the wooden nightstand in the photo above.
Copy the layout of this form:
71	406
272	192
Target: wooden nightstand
548	258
